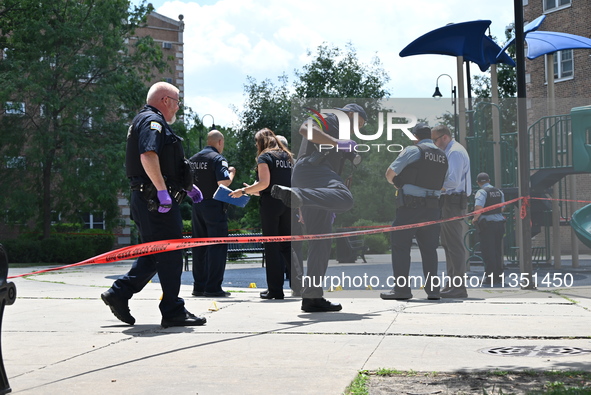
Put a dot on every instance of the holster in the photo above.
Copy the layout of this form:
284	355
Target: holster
149	192
410	201
177	194
456	199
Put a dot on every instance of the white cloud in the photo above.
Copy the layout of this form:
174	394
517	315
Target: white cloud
228	40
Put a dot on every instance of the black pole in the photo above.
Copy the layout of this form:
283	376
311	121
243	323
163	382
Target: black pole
7	296
524	169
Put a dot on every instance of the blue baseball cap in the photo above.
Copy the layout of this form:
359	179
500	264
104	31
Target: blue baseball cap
352	107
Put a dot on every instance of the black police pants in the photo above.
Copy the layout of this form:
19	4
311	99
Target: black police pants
427	239
275	221
155	226
491	244
209	262
324	194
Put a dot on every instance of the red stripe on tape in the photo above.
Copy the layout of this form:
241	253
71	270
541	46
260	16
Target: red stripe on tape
156	247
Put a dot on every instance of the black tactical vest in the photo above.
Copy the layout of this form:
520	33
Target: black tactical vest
204	172
428	172
171	154
493	196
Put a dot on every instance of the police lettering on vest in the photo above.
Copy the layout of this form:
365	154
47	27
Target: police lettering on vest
427	172
204	170
493	196
283	164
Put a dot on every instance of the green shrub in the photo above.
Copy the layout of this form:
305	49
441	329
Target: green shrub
63	248
378	243
187	227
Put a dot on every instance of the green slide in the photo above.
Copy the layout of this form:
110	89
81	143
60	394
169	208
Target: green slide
581	223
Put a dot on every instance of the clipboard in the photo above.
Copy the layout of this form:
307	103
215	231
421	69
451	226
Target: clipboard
222	193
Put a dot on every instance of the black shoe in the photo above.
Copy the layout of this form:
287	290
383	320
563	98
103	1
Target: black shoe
455	293
185	319
485	282
288	196
270	295
317	305
219	294
118	306
433	297
198	293
395	296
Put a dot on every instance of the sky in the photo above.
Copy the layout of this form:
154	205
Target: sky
228	40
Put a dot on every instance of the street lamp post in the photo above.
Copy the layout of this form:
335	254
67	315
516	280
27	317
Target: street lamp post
211	128
438	94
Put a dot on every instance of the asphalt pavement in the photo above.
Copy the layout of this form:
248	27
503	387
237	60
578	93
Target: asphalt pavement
60	338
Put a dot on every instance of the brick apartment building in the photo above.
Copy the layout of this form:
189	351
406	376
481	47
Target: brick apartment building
572	87
169	34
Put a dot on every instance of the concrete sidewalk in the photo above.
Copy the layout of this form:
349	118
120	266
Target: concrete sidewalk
59	337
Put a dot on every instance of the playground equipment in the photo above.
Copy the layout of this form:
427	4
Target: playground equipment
581	223
560	146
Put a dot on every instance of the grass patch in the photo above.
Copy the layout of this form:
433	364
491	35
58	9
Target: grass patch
494	382
359	385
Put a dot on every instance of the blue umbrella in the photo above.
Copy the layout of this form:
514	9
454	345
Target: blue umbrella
466	39
542	43
530	27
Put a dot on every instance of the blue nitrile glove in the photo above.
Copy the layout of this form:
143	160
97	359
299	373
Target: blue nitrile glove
346	145
195	194
165	201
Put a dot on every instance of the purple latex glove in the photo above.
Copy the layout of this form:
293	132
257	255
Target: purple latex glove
165	201
346	145
195	194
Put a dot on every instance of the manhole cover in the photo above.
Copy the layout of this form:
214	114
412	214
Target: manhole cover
536	351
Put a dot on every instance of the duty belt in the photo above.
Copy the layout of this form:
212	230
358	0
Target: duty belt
418	202
459	199
149	191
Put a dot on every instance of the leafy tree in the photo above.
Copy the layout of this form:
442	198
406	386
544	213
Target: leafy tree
71	85
332	74
507	89
338	73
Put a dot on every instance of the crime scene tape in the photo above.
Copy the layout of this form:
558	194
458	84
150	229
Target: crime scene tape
156	247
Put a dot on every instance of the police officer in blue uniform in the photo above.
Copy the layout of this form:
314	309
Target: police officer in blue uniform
274	166
155	166
318	189
210	218
418	174
491	228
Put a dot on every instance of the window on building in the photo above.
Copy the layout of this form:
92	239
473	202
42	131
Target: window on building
166	45
563	64
15	162
550	5
14	108
93	220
